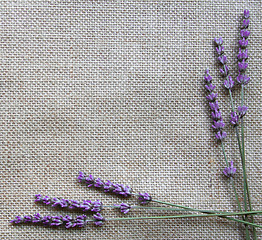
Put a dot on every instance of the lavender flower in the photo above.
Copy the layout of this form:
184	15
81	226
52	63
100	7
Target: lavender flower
244	33
67	221
220	50
86	205
243	43
246	13
219	41
234	119
243	79
216	114
245	23
224	71
242	111
242	55
212	97
107	186
229	83
221	135
124	207
144	198
230	171
99	219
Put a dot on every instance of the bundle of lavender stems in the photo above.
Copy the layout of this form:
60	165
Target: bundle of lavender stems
93	210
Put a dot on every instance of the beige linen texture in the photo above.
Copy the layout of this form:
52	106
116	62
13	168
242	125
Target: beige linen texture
116	89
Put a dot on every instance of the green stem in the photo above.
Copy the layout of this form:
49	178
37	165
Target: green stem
244	161
179	209
189	216
233	185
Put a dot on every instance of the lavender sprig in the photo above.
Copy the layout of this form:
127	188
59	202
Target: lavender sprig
54	221
243	80
85	205
107	186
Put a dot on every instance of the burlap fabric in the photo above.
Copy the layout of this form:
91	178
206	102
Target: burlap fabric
116	89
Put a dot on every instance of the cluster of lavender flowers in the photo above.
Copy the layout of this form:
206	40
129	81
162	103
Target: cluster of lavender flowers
54	221
218	123
106	186
86	205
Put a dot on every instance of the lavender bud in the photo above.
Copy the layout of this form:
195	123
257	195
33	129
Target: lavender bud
214	106
207	77
242	66
144	198
37	218
220	50
17	220
98	183
229	83
218	124
216	115
245	23
224	71
246	13
221	135
243	79
242	110
243	43
124	207
99	219
234	119
230	171
222	59
218	41
210	87
244	33
212	97
242	55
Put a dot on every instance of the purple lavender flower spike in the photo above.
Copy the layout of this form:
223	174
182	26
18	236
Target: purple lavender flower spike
246	13
245	23
234	119
224	71
124	207
242	66
218	41
144	198
212	97
230	171
210	87
99	219
108	186
244	33
242	110
86	205
222	59
229	83
218	124
243	43
221	135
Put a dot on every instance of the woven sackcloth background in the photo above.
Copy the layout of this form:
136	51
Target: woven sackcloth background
116	89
